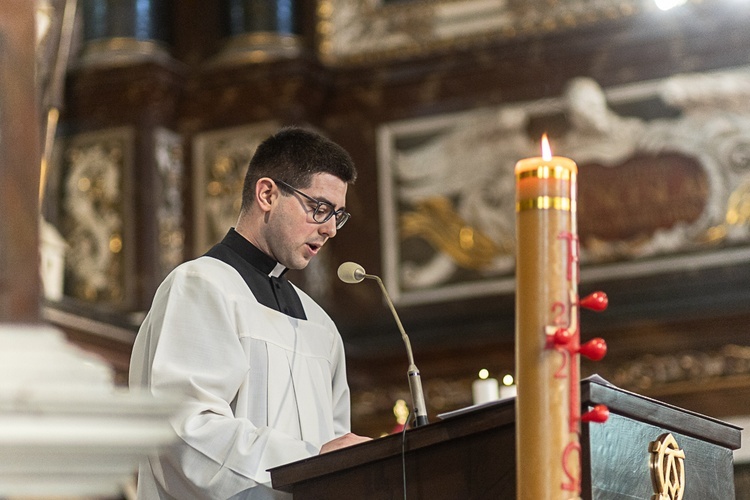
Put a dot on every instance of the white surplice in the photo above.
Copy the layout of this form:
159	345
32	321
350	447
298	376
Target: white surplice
261	388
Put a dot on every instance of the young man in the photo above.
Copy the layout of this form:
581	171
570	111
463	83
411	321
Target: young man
258	363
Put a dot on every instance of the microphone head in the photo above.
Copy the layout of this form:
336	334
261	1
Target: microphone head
351	272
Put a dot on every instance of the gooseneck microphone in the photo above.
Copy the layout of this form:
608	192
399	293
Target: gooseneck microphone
351	272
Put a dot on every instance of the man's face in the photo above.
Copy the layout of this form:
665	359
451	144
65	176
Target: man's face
293	237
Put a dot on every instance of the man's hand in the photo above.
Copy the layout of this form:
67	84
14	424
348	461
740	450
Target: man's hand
342	442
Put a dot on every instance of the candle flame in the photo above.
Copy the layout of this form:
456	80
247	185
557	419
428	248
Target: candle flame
546	151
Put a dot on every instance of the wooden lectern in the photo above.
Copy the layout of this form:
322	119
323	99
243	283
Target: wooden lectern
470	454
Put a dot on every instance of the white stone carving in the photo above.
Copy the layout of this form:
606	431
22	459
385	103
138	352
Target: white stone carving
597	133
468	158
52	249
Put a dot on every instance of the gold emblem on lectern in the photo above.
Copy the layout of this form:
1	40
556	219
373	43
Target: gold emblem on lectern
667	468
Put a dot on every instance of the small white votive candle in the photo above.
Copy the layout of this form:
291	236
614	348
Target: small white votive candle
484	389
508	389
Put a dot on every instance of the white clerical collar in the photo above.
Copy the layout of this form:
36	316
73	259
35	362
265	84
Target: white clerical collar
277	271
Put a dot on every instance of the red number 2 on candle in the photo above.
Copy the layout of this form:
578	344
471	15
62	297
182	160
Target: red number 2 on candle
561	322
559	309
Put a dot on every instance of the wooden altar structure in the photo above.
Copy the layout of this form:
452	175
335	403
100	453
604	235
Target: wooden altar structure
471	455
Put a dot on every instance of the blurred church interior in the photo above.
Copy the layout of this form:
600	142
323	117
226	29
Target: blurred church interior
149	111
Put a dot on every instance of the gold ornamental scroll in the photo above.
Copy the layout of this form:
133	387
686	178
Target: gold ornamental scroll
548	453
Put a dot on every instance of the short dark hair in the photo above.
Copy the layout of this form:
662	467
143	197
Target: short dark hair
294	155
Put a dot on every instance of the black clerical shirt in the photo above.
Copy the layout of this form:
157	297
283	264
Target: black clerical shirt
263	275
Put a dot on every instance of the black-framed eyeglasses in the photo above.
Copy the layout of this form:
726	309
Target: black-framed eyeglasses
323	210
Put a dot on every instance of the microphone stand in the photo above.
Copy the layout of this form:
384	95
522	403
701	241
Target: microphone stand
415	379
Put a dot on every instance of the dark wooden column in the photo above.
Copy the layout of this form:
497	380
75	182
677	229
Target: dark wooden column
19	166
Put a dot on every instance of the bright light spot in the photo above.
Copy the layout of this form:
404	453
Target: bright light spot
466	238
546	151
401	411
484	373
668	4
508	380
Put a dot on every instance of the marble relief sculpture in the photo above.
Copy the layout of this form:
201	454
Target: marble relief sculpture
456	181
448	202
596	132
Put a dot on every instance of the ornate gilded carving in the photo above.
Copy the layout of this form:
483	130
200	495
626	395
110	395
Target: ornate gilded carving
435	220
667	468
93	212
650	371
221	158
356	31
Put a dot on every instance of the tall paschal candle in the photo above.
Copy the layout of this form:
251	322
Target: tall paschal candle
547	437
